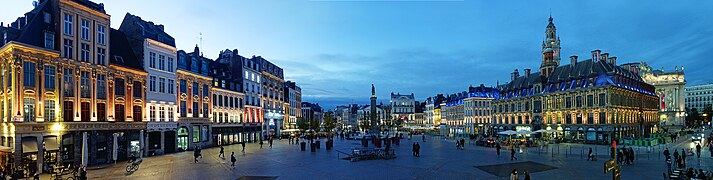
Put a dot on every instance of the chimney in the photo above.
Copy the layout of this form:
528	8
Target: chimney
573	61
605	57
596	55
612	60
515	75
527	73
160	26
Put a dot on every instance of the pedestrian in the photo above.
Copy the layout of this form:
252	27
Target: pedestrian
698	150
513	175
631	155
676	158
195	154
683	158
423	137
619	156
83	173
497	148
413	149
261	144
232	159
667	154
222	152
527	175
512	154
270	142
589	155
243	144
418	150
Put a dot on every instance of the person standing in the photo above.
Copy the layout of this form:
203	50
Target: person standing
423	137
589	155
196	153
513	174
261	144
676	158
418	149
667	154
222	152
512	154
413	149
243	144
497	148
232	159
683	157
698	150
631	155
527	175
269	141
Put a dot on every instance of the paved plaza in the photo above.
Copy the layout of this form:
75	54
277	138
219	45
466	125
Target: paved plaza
439	160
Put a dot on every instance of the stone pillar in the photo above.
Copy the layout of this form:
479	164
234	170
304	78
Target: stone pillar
40	153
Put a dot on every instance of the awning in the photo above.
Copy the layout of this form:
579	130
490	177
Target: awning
5	149
51	143
29	145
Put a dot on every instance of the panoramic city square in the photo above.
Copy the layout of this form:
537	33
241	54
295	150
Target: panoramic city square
355	89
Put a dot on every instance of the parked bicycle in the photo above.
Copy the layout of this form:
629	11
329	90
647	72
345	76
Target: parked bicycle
133	165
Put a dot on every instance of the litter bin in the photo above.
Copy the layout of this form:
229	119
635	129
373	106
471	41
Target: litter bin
330	144
318	144
312	147
302	146
377	143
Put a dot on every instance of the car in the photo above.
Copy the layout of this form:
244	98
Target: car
697	137
486	141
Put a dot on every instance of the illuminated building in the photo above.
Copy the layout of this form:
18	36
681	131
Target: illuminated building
273	83
228	120
591	101
253	111
64	79
293	95
403	108
194	100
478	109
670	87
156	51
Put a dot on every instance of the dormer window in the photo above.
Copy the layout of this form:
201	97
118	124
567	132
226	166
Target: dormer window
49	40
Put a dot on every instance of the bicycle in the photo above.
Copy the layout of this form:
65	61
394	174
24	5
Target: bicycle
133	166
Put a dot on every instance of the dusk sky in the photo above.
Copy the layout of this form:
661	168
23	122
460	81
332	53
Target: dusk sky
334	50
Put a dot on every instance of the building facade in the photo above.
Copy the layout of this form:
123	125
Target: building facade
699	97
670	87
478	110
194	100
252	89
228	120
273	84
156	51
591	101
293	95
403	108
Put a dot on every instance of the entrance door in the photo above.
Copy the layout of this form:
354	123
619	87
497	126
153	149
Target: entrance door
182	139
169	142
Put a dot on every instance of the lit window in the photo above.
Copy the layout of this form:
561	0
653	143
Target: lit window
68	19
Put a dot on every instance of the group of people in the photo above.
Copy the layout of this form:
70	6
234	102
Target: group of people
623	155
693	174
514	175
416	149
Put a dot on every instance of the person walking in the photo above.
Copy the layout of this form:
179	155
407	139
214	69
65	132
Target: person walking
261	144
418	150
222	152
698	150
683	158
413	149
232	159
423	137
589	155
631	155
243	144
497	148
676	158
195	154
269	141
512	154
513	174
667	154
200	152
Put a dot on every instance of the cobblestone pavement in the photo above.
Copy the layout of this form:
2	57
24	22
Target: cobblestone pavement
439	160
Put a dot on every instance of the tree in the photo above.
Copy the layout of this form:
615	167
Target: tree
302	124
328	124
692	118
314	125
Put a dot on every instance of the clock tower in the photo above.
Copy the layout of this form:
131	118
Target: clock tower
550	50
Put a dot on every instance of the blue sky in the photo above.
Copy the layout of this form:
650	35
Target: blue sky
335	49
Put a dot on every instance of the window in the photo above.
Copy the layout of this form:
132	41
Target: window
29	73
170	114
183	109
568	102
171	85
119	112
49	111
590	100
215	102
101	35
183	87
205	90
68	19
49	77
578	101
590	118
119	87
101	56
152	60
85	111
204	133
67	109
602	118
68	84
196	133
85	29
101	112
85	88
602	99
137	89
161	114
47	17
195	109
101	86
29	108
67	49
137	114
170	64
152	83
162	85
152	113
195	88
49	40
84	56
161	62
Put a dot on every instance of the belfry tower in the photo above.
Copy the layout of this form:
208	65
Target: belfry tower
550	50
